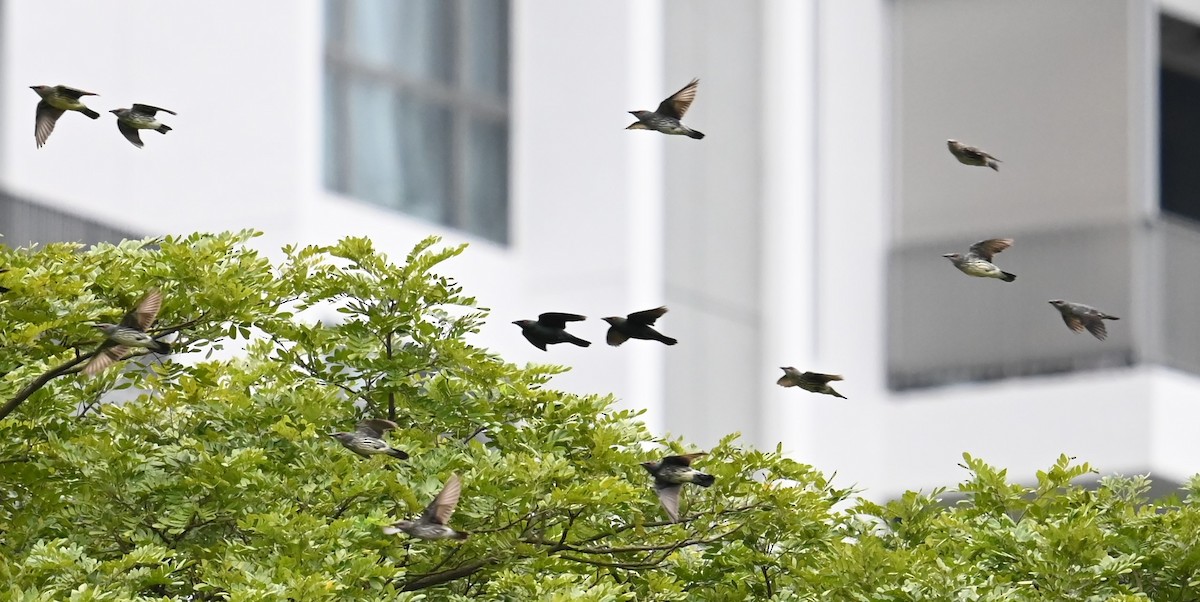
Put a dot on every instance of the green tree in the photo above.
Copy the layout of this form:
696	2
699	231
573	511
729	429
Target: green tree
216	479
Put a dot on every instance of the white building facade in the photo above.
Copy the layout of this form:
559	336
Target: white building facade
805	230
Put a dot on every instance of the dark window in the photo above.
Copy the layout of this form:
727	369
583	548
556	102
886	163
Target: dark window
1179	117
416	108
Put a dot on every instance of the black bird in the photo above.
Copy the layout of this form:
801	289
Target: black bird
432	523
1079	316
367	439
670	474
131	332
666	118
550	329
814	382
140	117
55	101
637	325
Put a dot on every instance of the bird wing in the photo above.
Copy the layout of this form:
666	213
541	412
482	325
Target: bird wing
975	153
615	337
43	125
786	381
682	459
648	316
75	93
817	377
536	340
555	319
987	248
146	311
1095	326
442	507
131	134
677	104
149	109
668	496
1073	321
375	427
106	355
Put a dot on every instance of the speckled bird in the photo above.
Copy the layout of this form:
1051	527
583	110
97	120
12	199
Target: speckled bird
140	117
1079	316
367	439
670	474
433	521
131	332
667	117
814	382
977	261
55	101
969	155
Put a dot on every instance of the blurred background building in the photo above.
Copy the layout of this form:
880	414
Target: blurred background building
805	230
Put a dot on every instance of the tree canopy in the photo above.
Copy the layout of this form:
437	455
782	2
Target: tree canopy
216	479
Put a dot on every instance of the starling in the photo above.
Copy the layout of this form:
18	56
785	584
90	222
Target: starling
131	332
637	325
1079	316
814	382
969	155
550	329
670	474
666	118
140	117
367	439
55	100
978	260
432	524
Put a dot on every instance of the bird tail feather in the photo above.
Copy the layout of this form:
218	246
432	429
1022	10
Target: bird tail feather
703	480
695	134
396	453
993	164
460	535
1007	277
164	128
90	113
580	342
162	347
1108	317
666	340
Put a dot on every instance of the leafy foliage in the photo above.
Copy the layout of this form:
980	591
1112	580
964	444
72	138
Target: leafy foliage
215	479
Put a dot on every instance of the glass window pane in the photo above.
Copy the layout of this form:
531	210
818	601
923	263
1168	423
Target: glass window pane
413	37
487	180
425	159
333	176
487	42
375	143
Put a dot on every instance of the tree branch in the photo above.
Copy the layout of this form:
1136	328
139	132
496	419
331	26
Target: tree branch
434	579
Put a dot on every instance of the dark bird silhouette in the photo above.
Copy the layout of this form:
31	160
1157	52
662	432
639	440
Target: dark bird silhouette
637	325
978	259
667	117
433	523
1079	316
367	439
814	382
55	101
131	332
969	155
670	474
140	117
550	329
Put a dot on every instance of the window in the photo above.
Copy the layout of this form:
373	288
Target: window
416	108
1179	123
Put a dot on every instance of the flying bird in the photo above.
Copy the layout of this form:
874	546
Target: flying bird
969	155
131	332
637	325
1079	316
140	117
433	521
670	474
550	329
978	259
814	382
666	118
367	439
55	101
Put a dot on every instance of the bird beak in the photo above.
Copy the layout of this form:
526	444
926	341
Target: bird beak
632	112
114	110
948	255
517	322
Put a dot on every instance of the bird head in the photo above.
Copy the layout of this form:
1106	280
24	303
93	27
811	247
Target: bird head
952	256
118	112
1057	302
522	323
651	467
105	326
787	368
399	526
343	437
639	114
613	320
952	143
39	89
